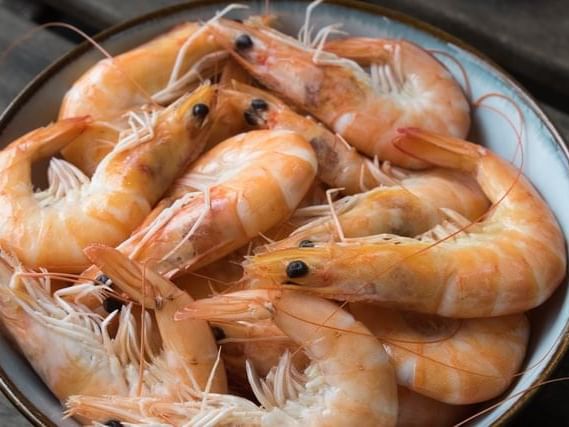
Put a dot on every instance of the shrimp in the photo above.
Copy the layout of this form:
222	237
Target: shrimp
86	359
339	165
433	356
189	352
408	204
347	363
155	73
50	228
416	410
409	87
246	185
509	262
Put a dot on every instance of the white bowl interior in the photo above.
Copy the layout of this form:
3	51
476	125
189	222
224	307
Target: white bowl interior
545	163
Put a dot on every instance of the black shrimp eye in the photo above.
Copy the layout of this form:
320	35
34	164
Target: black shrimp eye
250	117
103	279
218	333
306	244
111	304
243	42
114	423
259	104
200	110
296	269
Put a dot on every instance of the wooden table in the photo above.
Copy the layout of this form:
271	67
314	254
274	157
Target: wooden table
529	39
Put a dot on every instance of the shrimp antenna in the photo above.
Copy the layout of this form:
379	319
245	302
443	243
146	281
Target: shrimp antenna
513	396
519	132
466	81
305	30
210	379
333	212
183	50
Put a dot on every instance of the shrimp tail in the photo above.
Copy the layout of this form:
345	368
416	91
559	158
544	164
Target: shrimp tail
45	141
439	150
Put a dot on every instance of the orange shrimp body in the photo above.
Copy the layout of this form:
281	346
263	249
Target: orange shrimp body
508	263
133	81
50	228
347	363
242	187
409	204
339	165
186	361
411	88
453	361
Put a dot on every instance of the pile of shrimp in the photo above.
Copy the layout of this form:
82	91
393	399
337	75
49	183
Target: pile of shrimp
246	228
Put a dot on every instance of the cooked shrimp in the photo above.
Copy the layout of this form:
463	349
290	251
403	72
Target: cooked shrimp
189	353
409	203
71	349
408	87
433	355
115	85
152	74
347	364
509	262
246	185
49	229
339	165
416	410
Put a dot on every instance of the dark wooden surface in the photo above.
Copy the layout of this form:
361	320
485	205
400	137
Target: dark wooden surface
529	39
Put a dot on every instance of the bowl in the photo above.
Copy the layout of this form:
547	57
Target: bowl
546	159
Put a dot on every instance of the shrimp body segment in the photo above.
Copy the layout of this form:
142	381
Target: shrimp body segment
347	363
49	229
242	187
407	88
339	165
508	263
433	355
409	204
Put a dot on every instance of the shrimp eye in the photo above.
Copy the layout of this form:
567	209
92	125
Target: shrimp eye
218	333
250	117
296	269
104	279
114	423
243	42
306	244
111	304
200	111
259	104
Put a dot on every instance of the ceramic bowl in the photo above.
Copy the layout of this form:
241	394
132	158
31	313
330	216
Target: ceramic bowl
545	156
